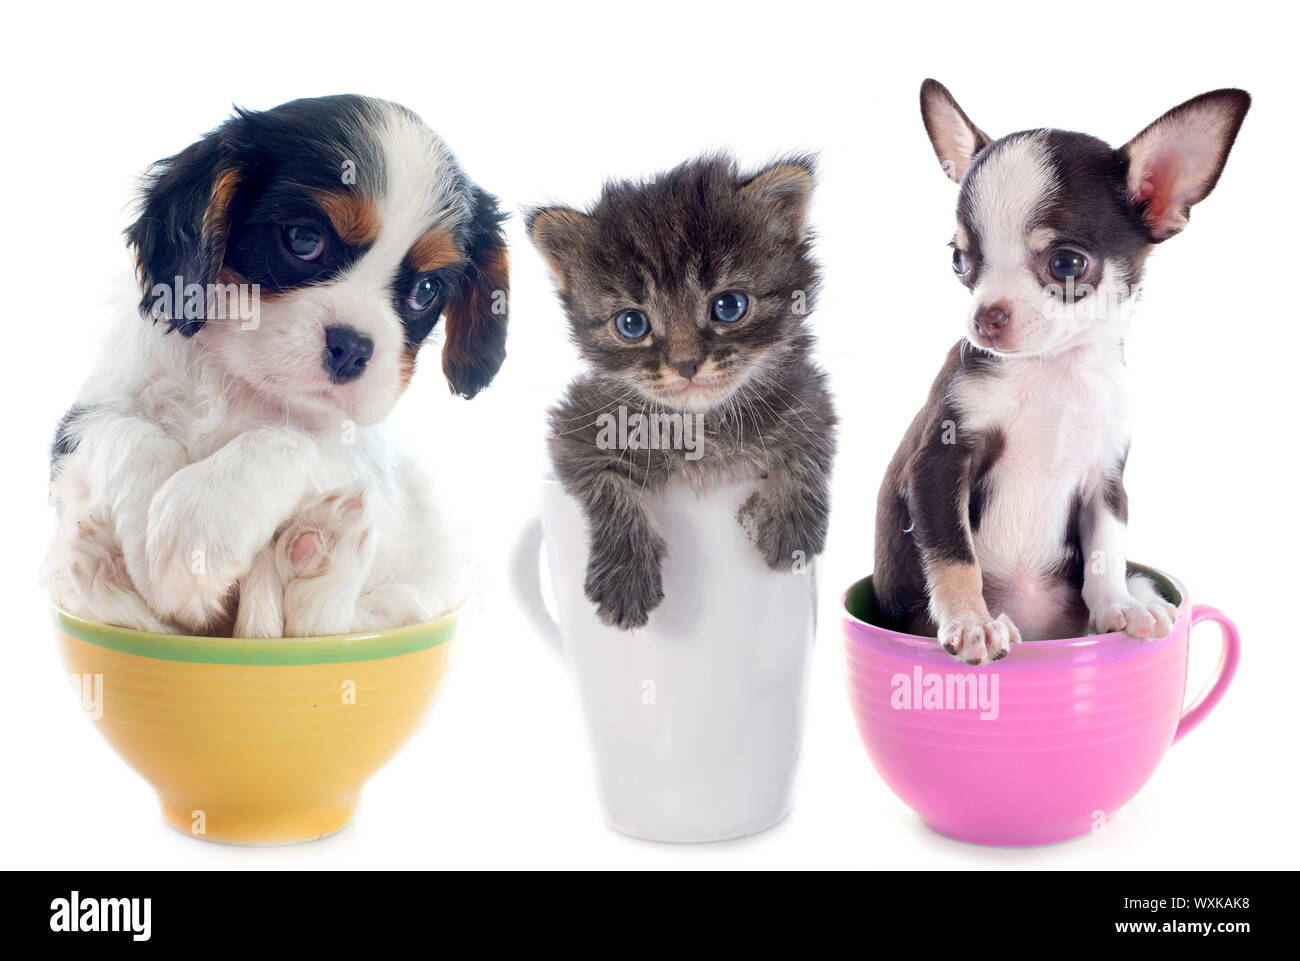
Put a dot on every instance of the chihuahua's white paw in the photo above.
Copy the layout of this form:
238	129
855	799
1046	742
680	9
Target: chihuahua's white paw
1144	619
976	638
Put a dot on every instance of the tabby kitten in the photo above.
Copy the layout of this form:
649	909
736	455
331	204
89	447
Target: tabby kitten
687	295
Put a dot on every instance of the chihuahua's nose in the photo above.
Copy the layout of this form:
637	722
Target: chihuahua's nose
686	368
991	320
346	352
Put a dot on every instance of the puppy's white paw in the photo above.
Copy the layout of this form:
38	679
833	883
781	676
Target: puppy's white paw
338	524
261	599
325	555
196	551
191	585
976	638
86	573
1142	619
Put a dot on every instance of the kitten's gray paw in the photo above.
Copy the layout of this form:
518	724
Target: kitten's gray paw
626	585
783	537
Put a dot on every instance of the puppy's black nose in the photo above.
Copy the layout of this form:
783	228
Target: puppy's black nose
990	321
346	353
686	368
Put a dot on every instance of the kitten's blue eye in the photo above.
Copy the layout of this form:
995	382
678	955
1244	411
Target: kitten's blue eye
422	294
730	307
632	325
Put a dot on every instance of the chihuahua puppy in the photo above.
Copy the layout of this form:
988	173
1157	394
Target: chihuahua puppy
1003	512
688	297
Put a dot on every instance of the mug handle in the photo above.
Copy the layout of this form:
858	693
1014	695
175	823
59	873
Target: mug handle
526	577
1218	684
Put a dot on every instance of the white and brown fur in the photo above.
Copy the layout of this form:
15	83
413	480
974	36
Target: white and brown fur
1002	515
213	477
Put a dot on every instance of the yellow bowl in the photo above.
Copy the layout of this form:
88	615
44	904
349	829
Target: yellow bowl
256	741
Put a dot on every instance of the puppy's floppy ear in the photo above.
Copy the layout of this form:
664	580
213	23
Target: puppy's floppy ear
956	140
475	345
1175	162
557	232
184	223
784	189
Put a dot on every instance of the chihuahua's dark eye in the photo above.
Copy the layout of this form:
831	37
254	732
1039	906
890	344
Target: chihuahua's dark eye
960	262
631	325
1065	264
305	243
730	307
424	293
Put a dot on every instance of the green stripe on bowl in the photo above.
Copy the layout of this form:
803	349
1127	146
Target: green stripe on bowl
336	649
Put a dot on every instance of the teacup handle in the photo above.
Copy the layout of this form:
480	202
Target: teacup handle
525	568
1213	691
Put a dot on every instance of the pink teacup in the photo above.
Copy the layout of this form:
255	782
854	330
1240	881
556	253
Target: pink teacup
1044	745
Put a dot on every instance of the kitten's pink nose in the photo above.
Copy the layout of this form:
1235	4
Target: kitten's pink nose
991	320
686	368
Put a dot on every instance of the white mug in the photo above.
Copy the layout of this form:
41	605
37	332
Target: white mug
696	717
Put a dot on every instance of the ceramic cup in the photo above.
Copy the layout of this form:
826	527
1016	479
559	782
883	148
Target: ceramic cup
255	741
1043	745
695	719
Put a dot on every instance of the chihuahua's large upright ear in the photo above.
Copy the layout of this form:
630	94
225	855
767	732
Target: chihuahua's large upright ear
183	226
1175	163
956	140
558	234
784	189
475	345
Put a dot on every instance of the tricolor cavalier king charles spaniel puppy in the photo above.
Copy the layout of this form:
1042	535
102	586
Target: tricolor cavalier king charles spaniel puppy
226	469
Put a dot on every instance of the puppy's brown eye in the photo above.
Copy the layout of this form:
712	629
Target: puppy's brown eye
632	325
424	293
305	243
960	263
1067	264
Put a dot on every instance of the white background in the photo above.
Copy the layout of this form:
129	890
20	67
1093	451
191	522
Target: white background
544	101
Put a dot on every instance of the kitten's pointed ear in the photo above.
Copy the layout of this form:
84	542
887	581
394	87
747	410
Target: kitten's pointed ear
784	189
1175	162
475	345
557	233
956	140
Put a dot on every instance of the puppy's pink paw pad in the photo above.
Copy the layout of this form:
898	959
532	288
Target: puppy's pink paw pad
307	555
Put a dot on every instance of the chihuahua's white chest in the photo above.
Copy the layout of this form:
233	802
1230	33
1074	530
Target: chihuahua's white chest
1063	424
